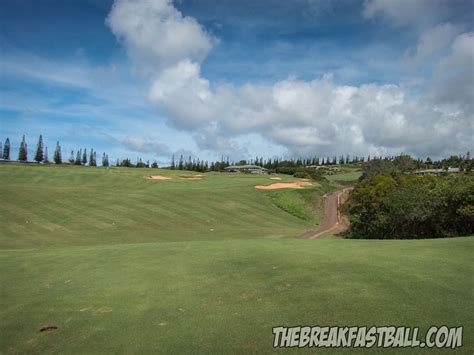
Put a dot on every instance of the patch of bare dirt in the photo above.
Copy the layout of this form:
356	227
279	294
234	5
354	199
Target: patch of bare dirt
275	178
332	220
46	328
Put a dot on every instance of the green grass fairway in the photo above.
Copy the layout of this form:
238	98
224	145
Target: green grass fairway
53	206
126	265
345	178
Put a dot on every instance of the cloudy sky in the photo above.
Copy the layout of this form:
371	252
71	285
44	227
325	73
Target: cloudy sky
151	78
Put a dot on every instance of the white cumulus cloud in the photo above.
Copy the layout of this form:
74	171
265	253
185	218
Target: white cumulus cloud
307	117
156	35
431	42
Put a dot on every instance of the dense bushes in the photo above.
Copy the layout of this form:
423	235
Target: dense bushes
388	207
400	164
301	173
405	164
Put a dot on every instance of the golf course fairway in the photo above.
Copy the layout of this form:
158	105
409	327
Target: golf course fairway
124	264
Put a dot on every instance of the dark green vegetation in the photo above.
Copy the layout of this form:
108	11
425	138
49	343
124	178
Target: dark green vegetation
121	264
387	207
405	164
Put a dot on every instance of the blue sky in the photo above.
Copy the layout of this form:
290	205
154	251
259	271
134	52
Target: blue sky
239	78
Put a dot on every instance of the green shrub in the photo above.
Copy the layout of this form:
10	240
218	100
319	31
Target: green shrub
388	207
301	175
288	170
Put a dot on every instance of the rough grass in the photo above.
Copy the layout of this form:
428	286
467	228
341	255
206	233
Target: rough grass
121	264
303	204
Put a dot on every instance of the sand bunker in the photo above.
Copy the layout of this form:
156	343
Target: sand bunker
275	178
158	177
283	185
189	177
192	177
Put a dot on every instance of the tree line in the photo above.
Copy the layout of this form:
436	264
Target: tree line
79	157
403	164
269	163
372	165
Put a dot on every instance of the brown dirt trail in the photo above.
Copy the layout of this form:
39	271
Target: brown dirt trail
332	216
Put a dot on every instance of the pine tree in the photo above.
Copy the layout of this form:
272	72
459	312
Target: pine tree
71	158
78	157
84	157
57	154
6	150
46	159
92	156
23	152
39	156
105	160
173	164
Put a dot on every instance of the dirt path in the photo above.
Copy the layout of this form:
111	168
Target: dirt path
331	217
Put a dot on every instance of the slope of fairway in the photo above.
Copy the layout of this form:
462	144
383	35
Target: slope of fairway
225	296
122	264
52	206
345	178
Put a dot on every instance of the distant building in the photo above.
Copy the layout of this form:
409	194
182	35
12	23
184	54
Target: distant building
252	169
323	167
437	171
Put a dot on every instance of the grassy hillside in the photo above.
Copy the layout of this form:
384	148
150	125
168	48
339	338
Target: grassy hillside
126	265
52	206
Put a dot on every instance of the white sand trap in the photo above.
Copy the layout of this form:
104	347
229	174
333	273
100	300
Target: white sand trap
283	185
158	177
275	178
